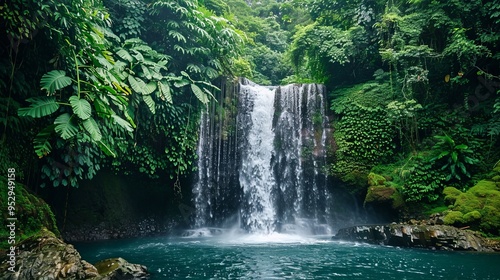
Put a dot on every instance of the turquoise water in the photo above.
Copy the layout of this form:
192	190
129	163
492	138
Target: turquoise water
280	256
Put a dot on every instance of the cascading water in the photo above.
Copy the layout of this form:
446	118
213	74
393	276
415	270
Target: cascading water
261	160
256	174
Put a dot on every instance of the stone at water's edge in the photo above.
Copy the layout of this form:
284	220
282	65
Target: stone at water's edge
439	237
45	256
118	268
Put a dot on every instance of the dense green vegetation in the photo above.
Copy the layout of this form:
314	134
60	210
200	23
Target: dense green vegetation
120	84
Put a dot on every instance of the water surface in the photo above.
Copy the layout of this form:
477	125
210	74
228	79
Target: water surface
281	256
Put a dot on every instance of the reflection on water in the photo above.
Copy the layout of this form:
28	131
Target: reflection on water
220	254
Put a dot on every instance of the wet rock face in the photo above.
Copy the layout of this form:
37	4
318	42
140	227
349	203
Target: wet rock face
439	237
44	256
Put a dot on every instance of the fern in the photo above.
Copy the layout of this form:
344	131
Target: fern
40	107
55	80
65	126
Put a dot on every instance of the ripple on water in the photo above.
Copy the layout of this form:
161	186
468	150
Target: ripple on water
284	256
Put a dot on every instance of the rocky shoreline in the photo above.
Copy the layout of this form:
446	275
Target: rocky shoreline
414	235
44	256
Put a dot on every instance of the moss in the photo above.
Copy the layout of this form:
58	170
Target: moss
379	194
467	202
480	206
375	180
453	218
484	188
490	220
472	217
451	195
357	179
32	213
107	266
383	194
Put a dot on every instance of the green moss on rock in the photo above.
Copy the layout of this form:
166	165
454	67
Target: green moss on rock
478	208
451	195
472	217
453	217
32	213
383	194
375	179
107	266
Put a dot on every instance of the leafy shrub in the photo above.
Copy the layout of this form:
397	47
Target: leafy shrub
423	182
453	158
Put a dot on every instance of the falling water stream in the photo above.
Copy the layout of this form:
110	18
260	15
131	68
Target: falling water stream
263	204
277	162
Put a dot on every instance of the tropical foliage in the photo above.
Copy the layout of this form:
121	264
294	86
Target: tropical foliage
119	84
108	79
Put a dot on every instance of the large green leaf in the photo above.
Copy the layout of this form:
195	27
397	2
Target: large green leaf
81	107
55	80
199	94
165	93
106	149
40	107
65	126
41	142
181	83
150	102
138	85
123	123
124	55
92	128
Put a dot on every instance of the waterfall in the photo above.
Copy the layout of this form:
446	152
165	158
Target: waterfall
256	176
261	161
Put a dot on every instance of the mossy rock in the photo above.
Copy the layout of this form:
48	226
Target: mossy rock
32	213
451	195
453	217
472	217
375	180
490	220
467	202
107	266
118	268
383	194
479	207
357	180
